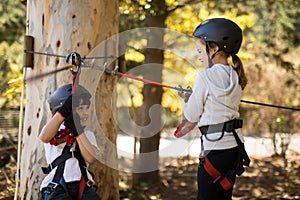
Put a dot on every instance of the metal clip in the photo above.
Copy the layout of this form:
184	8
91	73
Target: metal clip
111	72
72	152
75	65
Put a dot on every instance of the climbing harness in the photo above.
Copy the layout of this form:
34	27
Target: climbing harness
229	126
225	181
243	158
59	162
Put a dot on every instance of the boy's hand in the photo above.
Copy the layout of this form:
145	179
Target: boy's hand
66	109
72	122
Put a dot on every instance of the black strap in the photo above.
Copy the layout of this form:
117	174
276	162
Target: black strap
60	161
229	126
61	166
66	154
246	159
82	164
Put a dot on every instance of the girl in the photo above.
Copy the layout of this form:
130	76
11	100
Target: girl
214	105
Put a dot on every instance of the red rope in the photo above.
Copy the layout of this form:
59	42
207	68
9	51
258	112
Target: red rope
150	82
75	81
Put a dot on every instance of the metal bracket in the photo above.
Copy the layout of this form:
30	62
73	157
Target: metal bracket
28	46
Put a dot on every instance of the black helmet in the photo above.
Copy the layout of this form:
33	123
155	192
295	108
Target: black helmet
61	94
224	32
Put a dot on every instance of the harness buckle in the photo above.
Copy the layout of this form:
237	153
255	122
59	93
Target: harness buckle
90	183
201	160
52	186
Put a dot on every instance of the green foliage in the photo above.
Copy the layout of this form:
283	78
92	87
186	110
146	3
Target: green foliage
277	25
12	29
12	21
10	74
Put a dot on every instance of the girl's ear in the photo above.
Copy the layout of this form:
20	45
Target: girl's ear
215	49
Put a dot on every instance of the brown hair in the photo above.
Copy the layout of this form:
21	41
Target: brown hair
238	67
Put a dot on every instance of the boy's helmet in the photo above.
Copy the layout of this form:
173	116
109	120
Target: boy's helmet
59	96
224	32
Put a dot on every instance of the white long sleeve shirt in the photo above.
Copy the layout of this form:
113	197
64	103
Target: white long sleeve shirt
72	170
215	99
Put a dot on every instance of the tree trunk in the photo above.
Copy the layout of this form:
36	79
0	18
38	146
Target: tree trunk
61	27
152	95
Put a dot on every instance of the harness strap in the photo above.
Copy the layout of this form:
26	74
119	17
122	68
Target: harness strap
82	184
246	160
84	179
60	159
82	165
59	162
243	158
225	182
61	166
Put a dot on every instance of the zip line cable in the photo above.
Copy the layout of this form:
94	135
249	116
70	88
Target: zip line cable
63	56
46	74
270	105
44	54
115	72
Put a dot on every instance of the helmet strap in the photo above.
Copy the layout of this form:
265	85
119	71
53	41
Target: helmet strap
210	62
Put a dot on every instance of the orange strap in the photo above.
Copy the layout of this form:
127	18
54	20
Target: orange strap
81	188
225	182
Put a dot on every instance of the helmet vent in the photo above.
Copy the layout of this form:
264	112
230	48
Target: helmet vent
225	38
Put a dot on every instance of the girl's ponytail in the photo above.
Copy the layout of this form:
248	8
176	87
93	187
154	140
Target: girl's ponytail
238	67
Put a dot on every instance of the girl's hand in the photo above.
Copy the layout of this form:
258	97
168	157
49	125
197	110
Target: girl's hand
183	128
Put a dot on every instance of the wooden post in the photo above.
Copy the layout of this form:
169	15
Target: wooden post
61	27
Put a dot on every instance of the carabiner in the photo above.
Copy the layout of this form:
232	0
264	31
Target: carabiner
75	65
190	89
